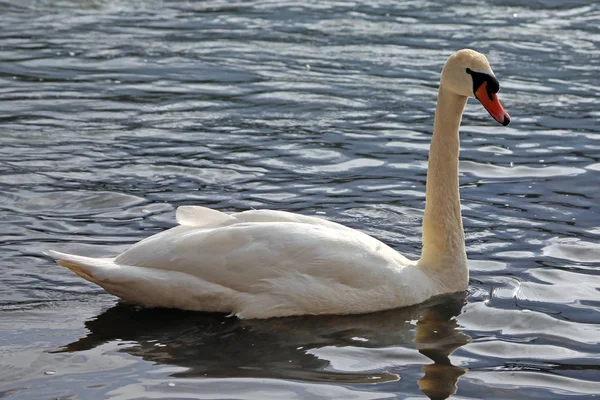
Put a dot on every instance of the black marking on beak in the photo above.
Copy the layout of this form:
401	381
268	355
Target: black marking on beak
493	86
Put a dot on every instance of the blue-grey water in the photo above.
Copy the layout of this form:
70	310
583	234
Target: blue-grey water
113	113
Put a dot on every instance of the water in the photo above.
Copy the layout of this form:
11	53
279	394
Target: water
114	113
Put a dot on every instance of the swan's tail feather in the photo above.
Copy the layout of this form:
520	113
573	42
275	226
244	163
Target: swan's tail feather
77	269
88	268
150	286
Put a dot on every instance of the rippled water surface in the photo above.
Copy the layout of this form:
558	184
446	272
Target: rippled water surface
113	113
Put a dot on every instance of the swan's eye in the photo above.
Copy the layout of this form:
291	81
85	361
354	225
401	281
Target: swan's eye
493	86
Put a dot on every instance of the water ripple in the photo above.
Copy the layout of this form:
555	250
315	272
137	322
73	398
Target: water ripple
114	113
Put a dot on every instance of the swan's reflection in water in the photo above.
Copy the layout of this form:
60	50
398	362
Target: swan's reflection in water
215	346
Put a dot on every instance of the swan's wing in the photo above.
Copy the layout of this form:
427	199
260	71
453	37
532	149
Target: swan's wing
205	233
242	255
281	268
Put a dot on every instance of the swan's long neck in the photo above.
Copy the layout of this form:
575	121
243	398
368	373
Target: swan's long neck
444	256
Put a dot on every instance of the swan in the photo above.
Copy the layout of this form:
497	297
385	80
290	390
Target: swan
265	263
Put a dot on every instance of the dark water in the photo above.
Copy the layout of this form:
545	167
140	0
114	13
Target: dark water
113	113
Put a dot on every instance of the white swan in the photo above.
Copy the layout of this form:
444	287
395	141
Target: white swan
263	263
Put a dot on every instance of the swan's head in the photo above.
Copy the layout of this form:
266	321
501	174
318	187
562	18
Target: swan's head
469	74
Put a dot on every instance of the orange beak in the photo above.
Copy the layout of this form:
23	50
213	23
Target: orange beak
492	104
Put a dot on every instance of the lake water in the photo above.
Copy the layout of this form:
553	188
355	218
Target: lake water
113	113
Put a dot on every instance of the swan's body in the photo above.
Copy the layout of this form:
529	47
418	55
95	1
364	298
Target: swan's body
260	264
